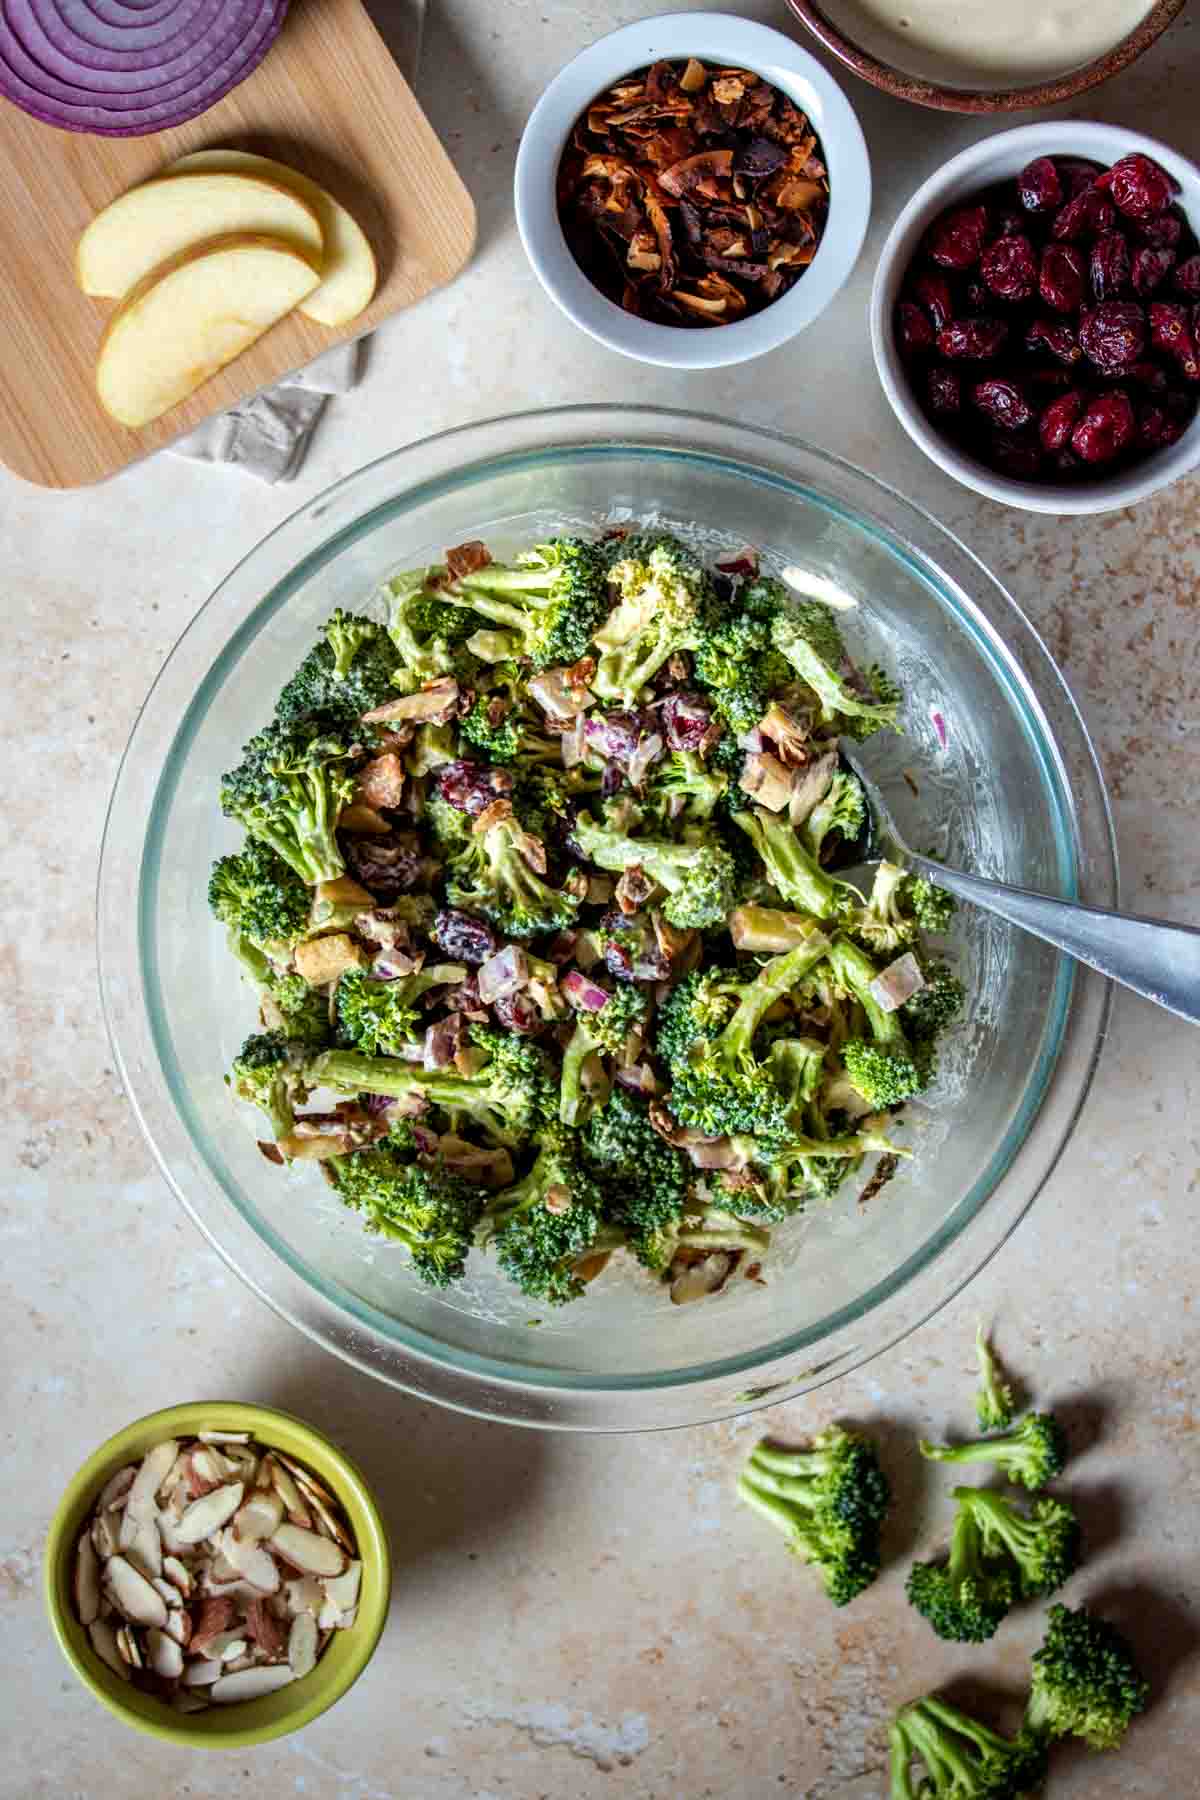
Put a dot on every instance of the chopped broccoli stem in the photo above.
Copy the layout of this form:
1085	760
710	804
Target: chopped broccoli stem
791	870
1043	1546
963	1759
994	1398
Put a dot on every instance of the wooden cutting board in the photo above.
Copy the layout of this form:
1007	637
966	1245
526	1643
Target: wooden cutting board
329	100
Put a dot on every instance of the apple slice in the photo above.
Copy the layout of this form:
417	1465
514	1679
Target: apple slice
350	272
151	224
186	320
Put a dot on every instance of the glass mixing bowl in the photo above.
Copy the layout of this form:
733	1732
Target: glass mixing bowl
1015	793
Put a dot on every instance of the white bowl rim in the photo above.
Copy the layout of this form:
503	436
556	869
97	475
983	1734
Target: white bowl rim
714	37
1062	137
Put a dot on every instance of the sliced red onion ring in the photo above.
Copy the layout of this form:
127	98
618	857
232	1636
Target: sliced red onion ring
179	33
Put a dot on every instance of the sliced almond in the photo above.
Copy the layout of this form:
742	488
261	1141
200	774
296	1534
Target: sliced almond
201	1671
179	1575
104	1643
227	1645
168	1531
215	1617
347	1619
258	1517
327	1517
132	1594
87	1580
307	1479
179	1625
289	1493
307	1551
251	1684
302	1644
177	1473
343	1589
209	1513
168	1590
115	1489
305	1595
268	1632
156	1466
251	1561
104	1534
129	1648
329	1616
224	1437
184	1701
144	1545
165	1655
246	1661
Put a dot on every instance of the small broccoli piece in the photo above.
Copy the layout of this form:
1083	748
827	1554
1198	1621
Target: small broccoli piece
449	827
736	661
699	1006
644	1179
428	634
829	1501
665	596
1043	1546
259	896
994	1397
503	727
291	784
430	1211
882	1069
347	672
934	1007
966	1597
603	1031
492	876
553	598
963	1759
685	777
545	1225
700	879
806	1168
882	924
809	637
286	1002
1086	1682
508	1098
841	815
381	1017
791	870
1033	1452
931	907
268	1072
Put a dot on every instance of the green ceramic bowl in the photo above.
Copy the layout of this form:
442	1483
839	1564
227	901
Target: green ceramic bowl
255	1721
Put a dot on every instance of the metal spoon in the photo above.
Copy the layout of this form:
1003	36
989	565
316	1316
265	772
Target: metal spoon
1155	958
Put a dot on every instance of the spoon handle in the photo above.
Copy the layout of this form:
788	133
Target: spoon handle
1155	958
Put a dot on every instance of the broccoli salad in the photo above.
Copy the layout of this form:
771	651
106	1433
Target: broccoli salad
539	894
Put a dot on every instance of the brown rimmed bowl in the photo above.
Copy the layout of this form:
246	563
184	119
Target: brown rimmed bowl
946	97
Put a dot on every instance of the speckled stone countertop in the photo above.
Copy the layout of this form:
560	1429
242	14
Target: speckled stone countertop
593	1618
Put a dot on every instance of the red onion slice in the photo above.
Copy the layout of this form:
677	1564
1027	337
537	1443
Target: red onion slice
69	26
145	77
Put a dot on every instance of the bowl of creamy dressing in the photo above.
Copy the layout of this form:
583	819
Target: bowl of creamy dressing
977	56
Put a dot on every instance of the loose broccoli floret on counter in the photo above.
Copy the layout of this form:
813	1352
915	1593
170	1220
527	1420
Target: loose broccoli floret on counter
259	896
700	879
1043	1546
645	1180
508	1099
962	1758
829	1501
430	1211
553	598
492	876
347	672
809	637
966	1597
839	818
883	1067
1086	1683
994	1396
1033	1452
381	1017
268	1072
791	870
543	1227
663	599
603	1031
291	784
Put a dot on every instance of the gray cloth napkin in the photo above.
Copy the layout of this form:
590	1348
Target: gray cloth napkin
269	435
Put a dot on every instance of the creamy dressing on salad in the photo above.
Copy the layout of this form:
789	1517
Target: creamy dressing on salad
1006	42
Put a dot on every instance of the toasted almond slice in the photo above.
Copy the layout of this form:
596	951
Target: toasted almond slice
209	1513
289	1493
132	1594
307	1551
239	1590
307	1479
247	1661
165	1655
104	1534
224	1437
269	1633
258	1517
144	1548
177	1473
226	1645
87	1580
252	1561
220	1570
327	1517
156	1466
201	1671
343	1589
329	1616
179	1625
168	1530
262	1478
168	1590
302	1644
251	1684
129	1648
305	1595
116	1488
184	1701
179	1575
104	1643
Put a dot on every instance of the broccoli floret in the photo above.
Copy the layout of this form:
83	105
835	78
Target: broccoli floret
719	1086
931	907
449	827
507	1099
1043	1546
736	661
699	1006
547	1223
842	814
1086	1682
664	597
882	1069
1033	1453
268	1071
553	598
791	870
963	1760
686	777
428	634
259	896
381	1017
503	727
882	924
645	1180
431	1211
994	1397
809	637
933	1008
287	1003
830	1502
966	1597
492	876
602	1031
700	879
806	1168
288	790
347	673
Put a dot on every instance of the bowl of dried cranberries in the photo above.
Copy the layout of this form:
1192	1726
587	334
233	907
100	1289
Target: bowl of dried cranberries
1036	317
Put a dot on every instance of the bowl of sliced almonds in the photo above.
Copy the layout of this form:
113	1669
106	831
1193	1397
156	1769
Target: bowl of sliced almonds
217	1574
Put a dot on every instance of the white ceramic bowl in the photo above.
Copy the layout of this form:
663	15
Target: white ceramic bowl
721	39
984	163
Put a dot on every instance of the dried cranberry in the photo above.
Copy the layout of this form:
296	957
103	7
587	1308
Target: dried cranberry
956	240
1187	277
1016	457
1077	173
1109	265
1148	375
944	391
382	864
1171	330
462	935
1139	186
1008	223
977	297
1114	335
1060	278
1056	336
1043	382
519	1014
1039	186
469	786
1066	464
975	339
1003	402
1086	216
614	734
1058	421
913	329
686	717
1009	268
933	293
1163	232
1157	429
1150	268
1106	428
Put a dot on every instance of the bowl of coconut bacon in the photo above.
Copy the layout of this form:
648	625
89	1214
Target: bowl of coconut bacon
978	57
